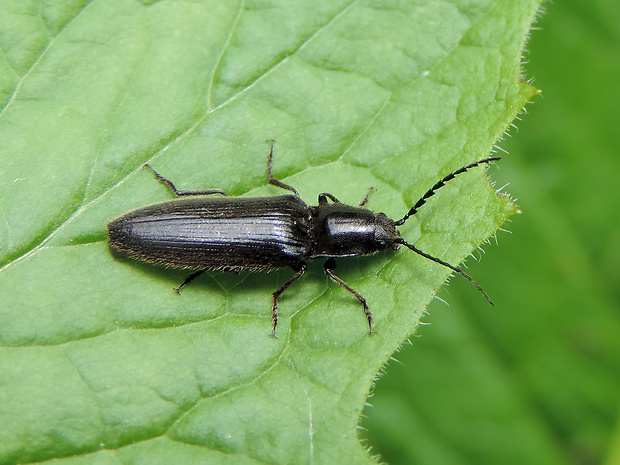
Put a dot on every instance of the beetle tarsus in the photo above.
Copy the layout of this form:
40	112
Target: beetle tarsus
274	316
300	268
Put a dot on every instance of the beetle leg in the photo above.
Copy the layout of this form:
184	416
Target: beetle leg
300	269
329	267
363	202
179	193
188	280
273	181
324	196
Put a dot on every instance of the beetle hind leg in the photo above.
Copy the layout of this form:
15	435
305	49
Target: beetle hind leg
180	193
329	267
300	269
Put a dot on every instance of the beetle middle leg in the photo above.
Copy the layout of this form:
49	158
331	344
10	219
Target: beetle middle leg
300	269
273	181
329	267
179	193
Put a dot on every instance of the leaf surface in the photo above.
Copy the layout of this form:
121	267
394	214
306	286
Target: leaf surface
100	360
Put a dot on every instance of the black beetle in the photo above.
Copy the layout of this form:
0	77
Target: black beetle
263	233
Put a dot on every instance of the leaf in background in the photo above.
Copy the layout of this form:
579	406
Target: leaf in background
99	358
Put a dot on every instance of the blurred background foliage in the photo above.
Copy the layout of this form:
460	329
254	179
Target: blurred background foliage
536	379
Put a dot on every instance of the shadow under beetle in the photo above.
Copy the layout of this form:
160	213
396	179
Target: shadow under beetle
263	233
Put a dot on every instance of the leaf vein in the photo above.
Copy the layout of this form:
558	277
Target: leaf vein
38	60
233	28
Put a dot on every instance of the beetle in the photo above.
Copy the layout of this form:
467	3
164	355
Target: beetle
199	232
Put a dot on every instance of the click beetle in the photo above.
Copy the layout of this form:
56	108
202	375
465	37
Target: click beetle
233	234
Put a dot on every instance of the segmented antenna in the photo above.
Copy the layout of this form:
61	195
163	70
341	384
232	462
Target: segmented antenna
446	264
438	186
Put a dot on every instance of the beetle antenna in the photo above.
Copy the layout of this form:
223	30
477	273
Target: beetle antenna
439	185
446	264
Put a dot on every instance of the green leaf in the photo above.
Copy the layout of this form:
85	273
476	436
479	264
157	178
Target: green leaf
99	359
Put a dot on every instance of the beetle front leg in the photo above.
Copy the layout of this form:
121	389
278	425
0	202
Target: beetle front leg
326	195
300	269
329	267
188	280
323	198
365	201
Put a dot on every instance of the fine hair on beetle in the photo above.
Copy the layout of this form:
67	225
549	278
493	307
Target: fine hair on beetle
210	230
